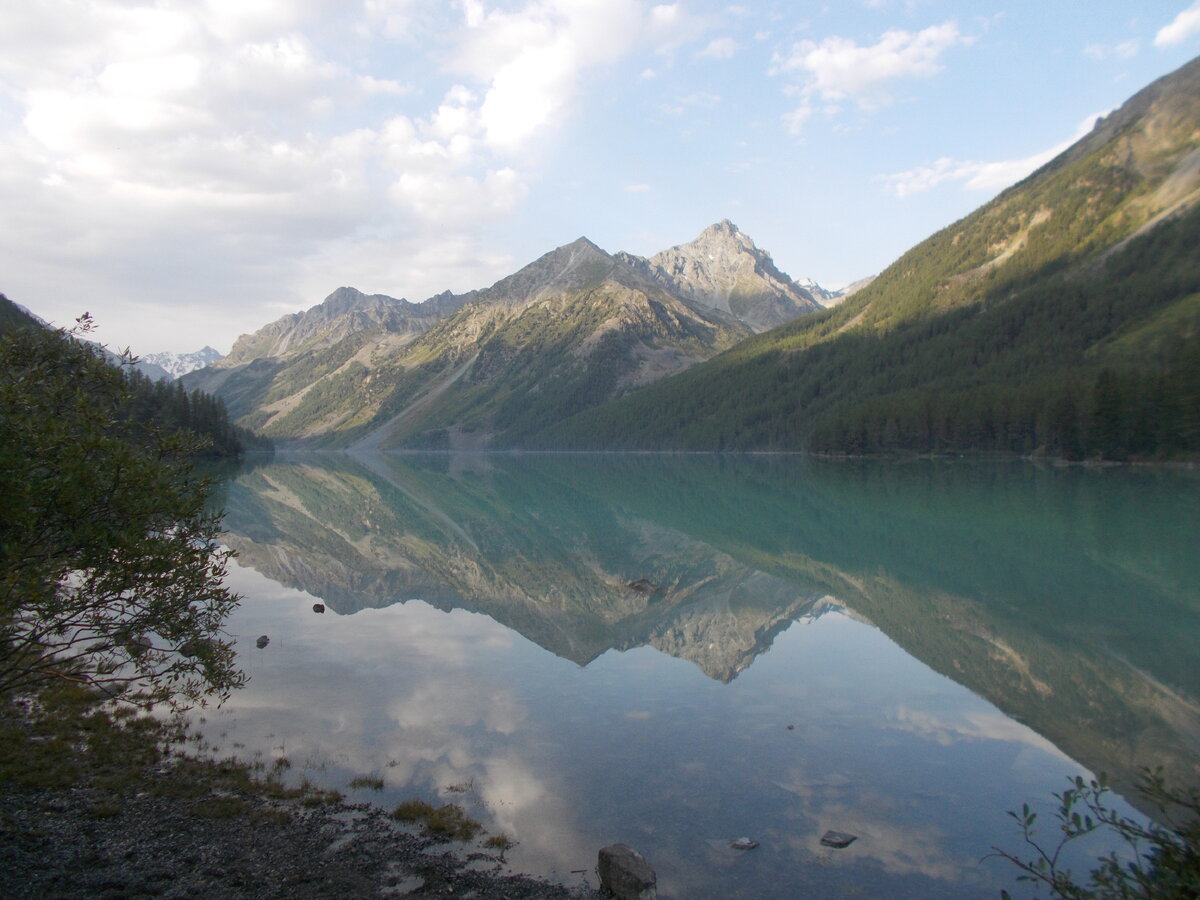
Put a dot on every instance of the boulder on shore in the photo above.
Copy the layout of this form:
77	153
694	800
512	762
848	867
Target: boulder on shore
625	874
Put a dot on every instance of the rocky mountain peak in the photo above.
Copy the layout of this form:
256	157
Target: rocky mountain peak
723	269
725	226
347	299
566	269
346	310
724	229
726	242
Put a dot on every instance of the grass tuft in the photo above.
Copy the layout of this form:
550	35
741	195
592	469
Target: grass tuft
447	822
412	811
501	842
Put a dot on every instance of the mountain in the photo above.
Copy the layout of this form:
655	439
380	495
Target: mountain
572	329
176	364
833	298
1062	318
723	269
342	314
151	398
14	315
151	370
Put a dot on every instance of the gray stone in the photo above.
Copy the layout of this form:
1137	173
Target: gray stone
262	642
625	874
318	607
743	843
839	840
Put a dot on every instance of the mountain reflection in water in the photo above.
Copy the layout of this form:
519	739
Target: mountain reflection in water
1066	598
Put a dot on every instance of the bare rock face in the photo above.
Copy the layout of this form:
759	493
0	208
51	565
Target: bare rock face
625	874
344	312
723	269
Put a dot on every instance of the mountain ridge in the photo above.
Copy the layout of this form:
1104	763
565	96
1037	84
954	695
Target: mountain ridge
569	330
177	364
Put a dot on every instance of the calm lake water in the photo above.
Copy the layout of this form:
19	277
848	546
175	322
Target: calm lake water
677	651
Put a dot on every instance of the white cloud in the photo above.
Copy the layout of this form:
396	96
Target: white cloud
667	15
1184	26
837	68
795	119
372	85
670	26
393	17
197	154
441	199
720	48
696	100
1125	50
977	176
636	188
532	59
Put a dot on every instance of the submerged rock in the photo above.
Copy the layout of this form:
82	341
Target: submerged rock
625	874
743	843
839	840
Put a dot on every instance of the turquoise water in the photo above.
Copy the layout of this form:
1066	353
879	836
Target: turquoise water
899	652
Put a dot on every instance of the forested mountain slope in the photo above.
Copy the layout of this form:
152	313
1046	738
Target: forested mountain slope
148	404
1062	317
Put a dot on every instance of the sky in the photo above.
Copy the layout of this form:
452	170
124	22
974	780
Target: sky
189	170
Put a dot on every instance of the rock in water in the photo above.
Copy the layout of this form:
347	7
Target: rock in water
839	840
743	843
262	641
318	607
625	874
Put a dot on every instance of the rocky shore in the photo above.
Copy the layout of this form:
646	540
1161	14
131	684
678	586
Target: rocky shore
102	811
55	844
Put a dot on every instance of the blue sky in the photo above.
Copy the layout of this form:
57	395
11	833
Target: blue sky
189	171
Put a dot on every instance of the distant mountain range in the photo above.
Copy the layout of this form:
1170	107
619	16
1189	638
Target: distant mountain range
1062	319
177	364
491	367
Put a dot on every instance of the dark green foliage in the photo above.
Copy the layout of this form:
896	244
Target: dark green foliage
110	573
12	316
168	406
161	405
1166	857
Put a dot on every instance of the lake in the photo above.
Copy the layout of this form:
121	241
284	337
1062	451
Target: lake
676	651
